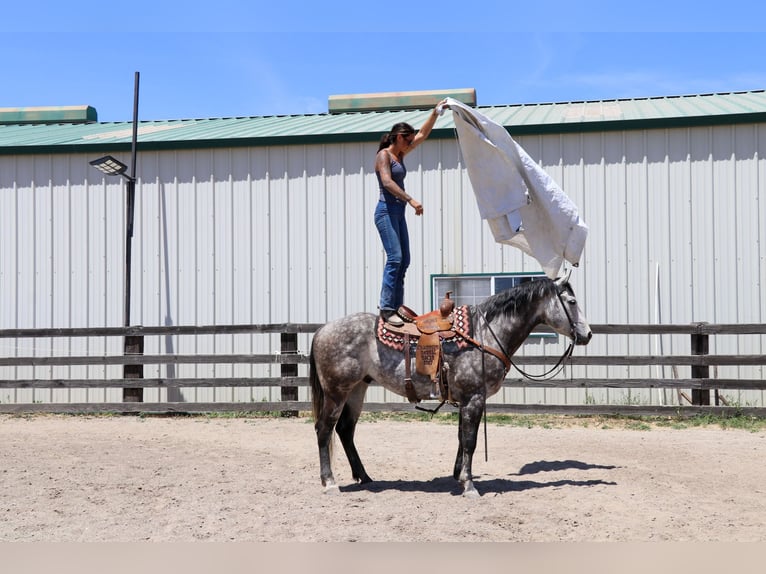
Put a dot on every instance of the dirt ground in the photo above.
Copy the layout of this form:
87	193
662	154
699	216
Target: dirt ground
186	479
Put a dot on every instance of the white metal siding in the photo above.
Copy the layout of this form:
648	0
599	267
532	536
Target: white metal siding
286	234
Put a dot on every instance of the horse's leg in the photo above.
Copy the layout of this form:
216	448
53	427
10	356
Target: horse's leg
346	427
470	417
324	425
459	458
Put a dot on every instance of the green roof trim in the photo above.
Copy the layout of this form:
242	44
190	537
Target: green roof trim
521	119
48	115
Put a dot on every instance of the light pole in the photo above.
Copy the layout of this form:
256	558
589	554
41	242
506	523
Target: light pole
112	166
134	344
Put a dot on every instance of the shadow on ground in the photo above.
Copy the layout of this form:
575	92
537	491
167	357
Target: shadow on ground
449	485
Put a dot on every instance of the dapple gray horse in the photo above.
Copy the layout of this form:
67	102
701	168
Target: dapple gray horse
346	355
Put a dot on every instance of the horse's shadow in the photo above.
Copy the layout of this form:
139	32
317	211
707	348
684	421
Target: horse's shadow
551	465
449	485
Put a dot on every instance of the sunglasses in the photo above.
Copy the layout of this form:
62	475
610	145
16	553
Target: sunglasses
408	137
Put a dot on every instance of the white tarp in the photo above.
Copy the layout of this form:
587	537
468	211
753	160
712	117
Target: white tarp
523	206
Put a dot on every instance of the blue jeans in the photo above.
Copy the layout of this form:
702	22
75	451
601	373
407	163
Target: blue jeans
392	228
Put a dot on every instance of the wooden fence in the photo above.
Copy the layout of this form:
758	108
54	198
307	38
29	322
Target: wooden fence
289	358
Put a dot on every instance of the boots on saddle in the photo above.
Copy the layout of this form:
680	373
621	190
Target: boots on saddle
391	317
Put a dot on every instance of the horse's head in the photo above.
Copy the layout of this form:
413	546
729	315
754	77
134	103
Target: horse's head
565	315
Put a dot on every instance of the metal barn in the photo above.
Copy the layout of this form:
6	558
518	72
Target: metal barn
269	220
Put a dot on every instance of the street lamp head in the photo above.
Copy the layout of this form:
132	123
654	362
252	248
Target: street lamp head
110	166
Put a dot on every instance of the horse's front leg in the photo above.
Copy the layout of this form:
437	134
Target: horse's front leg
470	417
458	468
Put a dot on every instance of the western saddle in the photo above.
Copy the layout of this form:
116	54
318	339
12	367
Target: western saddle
427	330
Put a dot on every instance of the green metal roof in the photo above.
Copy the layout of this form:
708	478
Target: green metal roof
561	117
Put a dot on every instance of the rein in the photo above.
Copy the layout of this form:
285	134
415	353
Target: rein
501	354
553	372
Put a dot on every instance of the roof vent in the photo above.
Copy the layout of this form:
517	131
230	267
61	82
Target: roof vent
397	100
49	115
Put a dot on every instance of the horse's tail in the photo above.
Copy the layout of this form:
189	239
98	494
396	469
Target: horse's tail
317	393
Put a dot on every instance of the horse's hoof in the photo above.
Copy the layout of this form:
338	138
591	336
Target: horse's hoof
332	490
471	493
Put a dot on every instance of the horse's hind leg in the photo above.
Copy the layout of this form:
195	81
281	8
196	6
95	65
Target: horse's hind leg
324	425
347	426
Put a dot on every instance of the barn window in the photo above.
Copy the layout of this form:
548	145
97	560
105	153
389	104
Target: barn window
472	289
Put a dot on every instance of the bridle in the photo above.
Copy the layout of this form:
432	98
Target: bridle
560	364
572	324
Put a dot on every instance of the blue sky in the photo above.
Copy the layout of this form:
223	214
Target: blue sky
244	58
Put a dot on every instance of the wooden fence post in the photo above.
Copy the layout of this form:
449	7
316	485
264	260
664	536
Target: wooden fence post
289	346
134	345
700	346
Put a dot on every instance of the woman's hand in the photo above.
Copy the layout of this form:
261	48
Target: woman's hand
416	205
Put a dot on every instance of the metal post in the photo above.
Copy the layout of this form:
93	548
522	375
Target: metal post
134	344
129	203
133	147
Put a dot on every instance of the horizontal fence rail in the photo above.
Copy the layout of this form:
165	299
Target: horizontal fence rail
290	358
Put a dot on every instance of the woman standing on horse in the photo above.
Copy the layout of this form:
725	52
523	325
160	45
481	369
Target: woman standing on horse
390	211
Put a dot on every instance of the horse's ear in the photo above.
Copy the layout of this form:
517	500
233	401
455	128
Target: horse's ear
564	279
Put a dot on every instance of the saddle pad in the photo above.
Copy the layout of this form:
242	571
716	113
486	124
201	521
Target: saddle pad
461	322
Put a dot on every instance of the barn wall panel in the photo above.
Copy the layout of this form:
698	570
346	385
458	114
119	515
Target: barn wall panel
286	234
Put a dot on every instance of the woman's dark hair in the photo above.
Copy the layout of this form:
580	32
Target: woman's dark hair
400	128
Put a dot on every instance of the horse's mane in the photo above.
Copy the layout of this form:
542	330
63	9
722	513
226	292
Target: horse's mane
517	298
